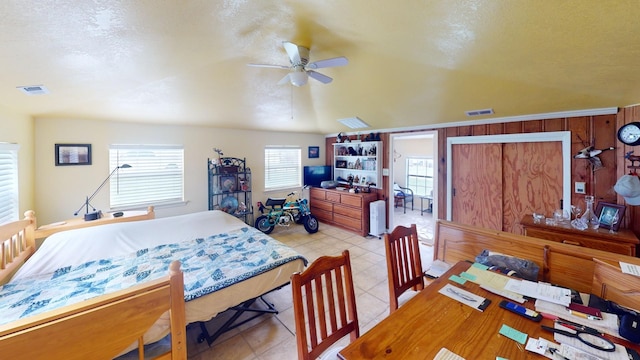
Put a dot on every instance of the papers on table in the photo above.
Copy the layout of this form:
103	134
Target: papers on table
470	299
554	294
438	267
608	324
630	268
446	354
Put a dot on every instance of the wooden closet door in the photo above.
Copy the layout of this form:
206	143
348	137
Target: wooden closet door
532	181
476	182
494	185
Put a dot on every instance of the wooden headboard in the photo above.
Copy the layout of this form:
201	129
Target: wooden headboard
17	242
562	264
114	320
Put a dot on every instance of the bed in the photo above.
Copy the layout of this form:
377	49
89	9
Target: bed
254	263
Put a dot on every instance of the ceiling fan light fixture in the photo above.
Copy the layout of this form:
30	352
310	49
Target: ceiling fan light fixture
298	78
354	123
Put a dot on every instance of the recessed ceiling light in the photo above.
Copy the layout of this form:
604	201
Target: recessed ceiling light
479	112
354	123
34	89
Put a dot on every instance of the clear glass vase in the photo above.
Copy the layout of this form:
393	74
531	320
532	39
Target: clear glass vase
589	216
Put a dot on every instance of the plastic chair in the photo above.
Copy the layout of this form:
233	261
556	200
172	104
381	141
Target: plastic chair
324	305
404	266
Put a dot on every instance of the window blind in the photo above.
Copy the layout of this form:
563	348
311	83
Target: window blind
156	175
9	198
282	167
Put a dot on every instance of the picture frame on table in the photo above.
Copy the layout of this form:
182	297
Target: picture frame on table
314	152
606	211
72	154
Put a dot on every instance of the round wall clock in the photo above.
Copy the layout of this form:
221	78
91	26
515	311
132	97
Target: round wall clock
630	133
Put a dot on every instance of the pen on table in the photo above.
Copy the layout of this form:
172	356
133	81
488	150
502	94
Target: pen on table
461	295
583	315
576	326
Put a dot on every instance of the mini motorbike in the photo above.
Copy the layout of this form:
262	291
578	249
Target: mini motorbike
284	212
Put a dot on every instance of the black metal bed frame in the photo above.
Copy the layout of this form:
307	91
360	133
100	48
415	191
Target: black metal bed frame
239	310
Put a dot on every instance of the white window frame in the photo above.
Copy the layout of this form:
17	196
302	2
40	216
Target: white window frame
9	194
156	175
282	167
421	184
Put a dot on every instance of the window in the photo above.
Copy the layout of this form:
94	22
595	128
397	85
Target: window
156	175
9	183
282	167
420	175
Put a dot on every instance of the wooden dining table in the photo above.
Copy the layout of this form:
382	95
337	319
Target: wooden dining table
431	321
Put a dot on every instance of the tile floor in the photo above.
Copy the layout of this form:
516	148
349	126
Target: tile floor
273	336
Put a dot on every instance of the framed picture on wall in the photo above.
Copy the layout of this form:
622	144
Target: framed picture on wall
610	215
314	152
73	154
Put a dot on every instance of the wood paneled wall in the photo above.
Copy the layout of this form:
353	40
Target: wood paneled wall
599	131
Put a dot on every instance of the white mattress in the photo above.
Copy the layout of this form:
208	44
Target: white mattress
78	246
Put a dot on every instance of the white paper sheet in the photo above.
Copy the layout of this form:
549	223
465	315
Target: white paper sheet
630	268
554	294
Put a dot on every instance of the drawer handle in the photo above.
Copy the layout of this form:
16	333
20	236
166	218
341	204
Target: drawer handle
569	242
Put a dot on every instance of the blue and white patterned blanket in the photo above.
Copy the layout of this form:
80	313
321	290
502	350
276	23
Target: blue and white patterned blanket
208	264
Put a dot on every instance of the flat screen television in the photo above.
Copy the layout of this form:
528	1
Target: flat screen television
314	175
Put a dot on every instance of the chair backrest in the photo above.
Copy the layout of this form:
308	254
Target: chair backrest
404	267
324	305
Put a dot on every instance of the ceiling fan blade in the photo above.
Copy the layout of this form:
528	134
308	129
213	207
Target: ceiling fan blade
339	61
320	77
284	80
269	66
292	51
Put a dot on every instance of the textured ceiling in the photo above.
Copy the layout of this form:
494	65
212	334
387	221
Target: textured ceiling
411	63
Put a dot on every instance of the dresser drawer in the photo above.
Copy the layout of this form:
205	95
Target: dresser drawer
322	214
348	211
352	200
355	224
333	197
317	194
324	205
585	241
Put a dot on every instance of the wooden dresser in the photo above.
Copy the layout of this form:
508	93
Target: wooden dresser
341	208
622	242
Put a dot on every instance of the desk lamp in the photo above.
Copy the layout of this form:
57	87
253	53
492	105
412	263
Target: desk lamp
94	215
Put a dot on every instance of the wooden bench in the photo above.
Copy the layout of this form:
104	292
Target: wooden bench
561	264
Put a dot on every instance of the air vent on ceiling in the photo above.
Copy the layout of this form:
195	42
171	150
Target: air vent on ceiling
479	112
354	123
34	90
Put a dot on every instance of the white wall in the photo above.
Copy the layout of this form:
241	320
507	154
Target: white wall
61	190
19	130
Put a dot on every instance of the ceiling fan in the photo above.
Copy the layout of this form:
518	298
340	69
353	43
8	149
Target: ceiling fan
301	69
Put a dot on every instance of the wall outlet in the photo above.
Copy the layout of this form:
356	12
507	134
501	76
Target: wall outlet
385	172
580	187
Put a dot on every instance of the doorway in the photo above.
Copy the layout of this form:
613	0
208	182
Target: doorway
413	165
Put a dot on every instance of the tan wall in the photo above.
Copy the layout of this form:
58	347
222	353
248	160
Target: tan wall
19	130
60	190
409	148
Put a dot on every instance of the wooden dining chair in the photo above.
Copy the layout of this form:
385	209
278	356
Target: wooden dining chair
404	267
324	305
